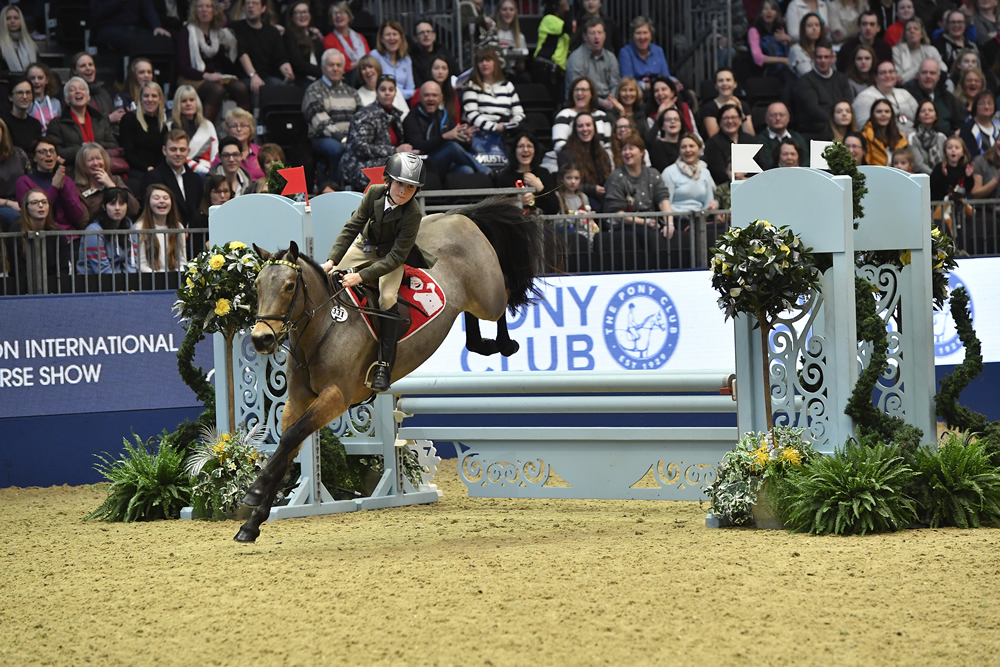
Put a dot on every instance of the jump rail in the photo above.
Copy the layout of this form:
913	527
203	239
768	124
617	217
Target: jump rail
634	462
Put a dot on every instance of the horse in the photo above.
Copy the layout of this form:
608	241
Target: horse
488	255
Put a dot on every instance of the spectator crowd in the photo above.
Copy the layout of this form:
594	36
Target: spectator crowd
900	83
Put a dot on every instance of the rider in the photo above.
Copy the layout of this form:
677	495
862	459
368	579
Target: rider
381	233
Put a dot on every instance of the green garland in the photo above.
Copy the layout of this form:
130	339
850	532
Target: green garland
872	424
275	181
946	400
842	163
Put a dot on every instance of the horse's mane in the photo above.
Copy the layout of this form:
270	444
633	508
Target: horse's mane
282	254
516	237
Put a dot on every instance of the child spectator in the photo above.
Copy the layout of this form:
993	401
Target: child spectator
105	253
45	106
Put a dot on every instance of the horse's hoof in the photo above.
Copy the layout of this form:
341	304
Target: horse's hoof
485	347
247	535
243	512
510	349
252	499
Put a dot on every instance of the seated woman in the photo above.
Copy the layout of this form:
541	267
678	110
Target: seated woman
141	132
79	123
240	125
585	150
268	153
914	49
769	43
688	179
985	170
664	140
17	47
787	153
376	134
216	193
800	56
627	101
982	130
634	188
842	121
13	162
187	114
719	148
352	44
390	51
206	58
82	65
105	253
861	70
36	215
49	176
303	43
490	103
140	71
583	99
882	134
513	45
369	73
641	59
45	104
624	127
554	32
524	170
926	142
971	82
93	177
441	74
665	97
160	252
711	112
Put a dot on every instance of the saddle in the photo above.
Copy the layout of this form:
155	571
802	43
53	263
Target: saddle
367	296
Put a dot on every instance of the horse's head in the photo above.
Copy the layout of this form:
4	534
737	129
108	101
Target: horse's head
280	298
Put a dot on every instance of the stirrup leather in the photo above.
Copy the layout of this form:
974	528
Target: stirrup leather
370	373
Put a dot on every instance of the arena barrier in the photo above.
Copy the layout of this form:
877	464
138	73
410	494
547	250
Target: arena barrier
632	462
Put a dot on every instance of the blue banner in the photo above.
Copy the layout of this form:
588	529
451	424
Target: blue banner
87	353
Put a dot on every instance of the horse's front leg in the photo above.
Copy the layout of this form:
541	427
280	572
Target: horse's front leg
324	409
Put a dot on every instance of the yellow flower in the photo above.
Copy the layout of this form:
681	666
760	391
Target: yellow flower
792	455
233	245
219	449
222	306
734	292
935	232
765	223
784	264
905	257
217	262
784	248
759	250
727	268
226	437
761	456
192	269
188	282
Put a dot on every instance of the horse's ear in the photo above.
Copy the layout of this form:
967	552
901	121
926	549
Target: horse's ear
263	254
293	252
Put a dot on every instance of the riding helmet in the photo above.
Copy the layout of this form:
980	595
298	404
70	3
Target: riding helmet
406	168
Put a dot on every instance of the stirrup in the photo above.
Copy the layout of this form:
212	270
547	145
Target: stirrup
373	372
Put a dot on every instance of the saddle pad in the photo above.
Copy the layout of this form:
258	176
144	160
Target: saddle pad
418	288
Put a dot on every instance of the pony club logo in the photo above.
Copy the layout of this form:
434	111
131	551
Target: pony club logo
946	340
641	326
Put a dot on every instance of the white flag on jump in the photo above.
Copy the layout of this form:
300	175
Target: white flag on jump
816	159
743	161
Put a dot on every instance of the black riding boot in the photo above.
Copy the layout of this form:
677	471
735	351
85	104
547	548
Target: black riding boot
386	352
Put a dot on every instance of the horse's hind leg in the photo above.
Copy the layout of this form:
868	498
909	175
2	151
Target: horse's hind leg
505	345
474	341
324	409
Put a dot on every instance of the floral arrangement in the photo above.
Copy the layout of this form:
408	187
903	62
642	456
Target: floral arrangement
756	458
942	263
762	270
222	467
220	291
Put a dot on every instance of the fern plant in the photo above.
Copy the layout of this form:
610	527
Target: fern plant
960	487
145	484
857	490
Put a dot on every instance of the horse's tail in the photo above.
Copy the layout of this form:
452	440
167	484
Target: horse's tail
516	237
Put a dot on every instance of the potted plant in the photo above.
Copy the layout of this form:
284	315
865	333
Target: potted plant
222	467
220	295
750	474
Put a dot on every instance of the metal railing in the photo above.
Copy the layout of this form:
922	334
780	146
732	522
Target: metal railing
453	198
30	263
56	262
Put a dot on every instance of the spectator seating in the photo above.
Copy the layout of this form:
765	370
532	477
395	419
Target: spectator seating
162	53
72	18
281	115
536	97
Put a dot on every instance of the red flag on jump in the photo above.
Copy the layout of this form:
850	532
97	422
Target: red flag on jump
295	178
374	175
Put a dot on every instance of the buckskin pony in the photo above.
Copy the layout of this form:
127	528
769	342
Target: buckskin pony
487	258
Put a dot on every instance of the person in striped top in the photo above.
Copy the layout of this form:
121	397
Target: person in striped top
490	104
101	253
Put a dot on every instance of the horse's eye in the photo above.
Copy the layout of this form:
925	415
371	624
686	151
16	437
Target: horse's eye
289	287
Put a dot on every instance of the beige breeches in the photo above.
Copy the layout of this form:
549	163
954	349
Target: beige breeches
388	285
